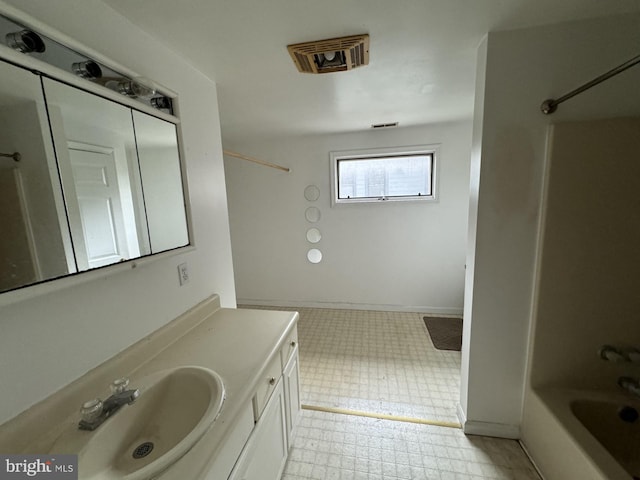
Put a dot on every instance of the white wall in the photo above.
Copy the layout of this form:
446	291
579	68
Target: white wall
395	255
50	339
524	67
474	188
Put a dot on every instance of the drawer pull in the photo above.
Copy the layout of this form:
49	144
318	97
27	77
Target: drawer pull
272	381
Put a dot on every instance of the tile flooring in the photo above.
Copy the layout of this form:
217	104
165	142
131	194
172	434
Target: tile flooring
384	362
341	447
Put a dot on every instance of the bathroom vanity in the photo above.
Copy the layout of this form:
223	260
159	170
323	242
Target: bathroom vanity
246	359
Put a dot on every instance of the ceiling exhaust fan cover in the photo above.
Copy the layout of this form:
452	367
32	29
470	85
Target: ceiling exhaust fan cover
331	55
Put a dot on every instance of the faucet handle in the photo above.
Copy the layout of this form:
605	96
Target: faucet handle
633	354
119	385
612	354
629	384
91	410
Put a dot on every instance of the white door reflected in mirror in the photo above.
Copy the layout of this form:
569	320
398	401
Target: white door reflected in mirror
105	228
95	146
121	177
314	235
314	255
312	214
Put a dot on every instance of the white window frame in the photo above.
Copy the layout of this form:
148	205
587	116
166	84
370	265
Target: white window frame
335	157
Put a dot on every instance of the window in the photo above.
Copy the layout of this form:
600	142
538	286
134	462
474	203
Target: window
406	173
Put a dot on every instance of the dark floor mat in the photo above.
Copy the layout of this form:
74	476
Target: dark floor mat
445	333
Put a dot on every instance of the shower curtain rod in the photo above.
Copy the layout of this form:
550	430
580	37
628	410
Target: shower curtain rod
255	160
551	105
15	155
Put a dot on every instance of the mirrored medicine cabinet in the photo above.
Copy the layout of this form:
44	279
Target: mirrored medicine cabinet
95	182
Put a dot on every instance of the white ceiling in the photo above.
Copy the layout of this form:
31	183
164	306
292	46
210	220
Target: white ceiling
422	56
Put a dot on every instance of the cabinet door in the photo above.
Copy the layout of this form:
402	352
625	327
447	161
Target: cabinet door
265	455
292	395
223	460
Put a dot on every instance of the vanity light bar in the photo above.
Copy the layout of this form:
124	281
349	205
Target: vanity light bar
29	42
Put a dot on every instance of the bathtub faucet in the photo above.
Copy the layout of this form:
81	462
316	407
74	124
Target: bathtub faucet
619	354
631	385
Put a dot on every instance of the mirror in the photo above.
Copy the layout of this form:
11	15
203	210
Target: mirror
312	214
96	152
311	193
157	142
35	243
314	255
111	192
313	235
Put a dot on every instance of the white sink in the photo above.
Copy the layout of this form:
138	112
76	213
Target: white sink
174	410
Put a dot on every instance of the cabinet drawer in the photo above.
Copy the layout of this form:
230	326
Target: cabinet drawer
266	385
289	346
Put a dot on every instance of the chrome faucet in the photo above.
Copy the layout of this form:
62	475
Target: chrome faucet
631	385
95	412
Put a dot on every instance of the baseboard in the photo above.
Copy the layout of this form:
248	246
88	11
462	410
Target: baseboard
462	417
533	462
428	310
487	429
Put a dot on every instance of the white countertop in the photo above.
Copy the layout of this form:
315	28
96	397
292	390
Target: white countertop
237	344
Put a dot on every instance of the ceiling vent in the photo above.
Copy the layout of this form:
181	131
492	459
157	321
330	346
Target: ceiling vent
332	55
384	125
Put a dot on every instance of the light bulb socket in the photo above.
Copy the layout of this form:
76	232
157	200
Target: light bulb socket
88	69
128	88
25	41
161	103
330	59
133	89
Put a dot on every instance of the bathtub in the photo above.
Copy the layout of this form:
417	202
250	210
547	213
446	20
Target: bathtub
616	426
577	434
